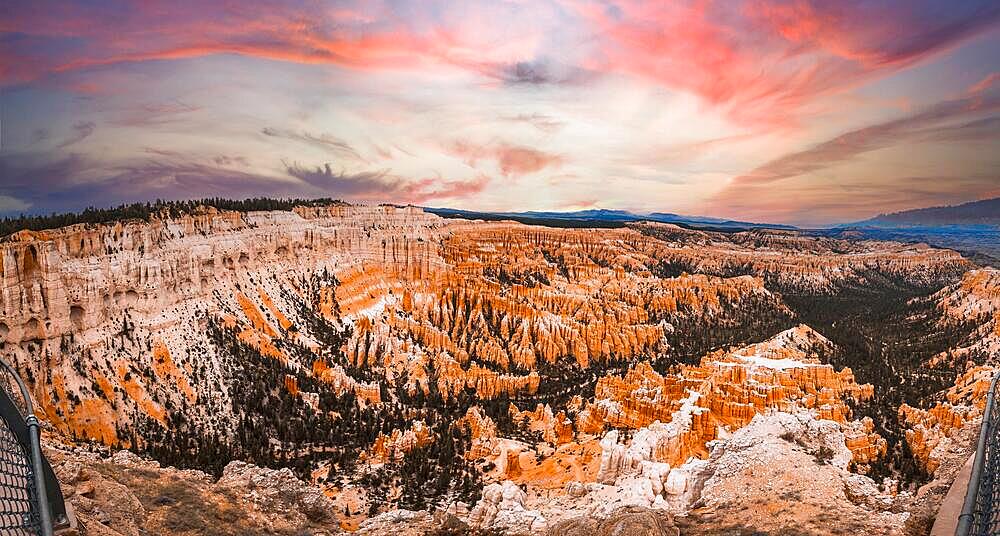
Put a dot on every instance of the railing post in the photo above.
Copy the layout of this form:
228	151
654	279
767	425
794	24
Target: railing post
44	514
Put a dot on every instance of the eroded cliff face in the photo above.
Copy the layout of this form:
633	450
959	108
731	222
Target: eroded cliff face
112	318
928	429
592	370
71	279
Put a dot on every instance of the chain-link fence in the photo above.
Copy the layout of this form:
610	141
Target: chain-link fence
18	496
981	511
24	474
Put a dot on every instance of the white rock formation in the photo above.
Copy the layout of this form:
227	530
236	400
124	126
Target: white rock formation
273	489
502	508
774	442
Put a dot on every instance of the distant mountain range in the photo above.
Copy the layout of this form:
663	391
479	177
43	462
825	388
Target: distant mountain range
973	227
606	218
985	212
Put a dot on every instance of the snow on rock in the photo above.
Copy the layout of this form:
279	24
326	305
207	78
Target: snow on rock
676	482
776	364
656	474
632	477
629	475
612	458
376	308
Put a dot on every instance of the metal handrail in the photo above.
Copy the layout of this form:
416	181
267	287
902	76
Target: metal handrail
980	510
38	465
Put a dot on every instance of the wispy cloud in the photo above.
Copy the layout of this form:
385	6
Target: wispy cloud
74	182
81	131
379	186
153	114
680	104
762	59
39	135
542	122
930	124
224	160
326	142
793	186
535	72
984	84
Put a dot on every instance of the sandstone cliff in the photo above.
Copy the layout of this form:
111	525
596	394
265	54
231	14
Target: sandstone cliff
112	317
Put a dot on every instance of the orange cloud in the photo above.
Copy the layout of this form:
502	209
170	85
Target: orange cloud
392	49
933	123
521	160
290	33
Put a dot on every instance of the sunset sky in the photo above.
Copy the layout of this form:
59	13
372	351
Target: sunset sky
803	112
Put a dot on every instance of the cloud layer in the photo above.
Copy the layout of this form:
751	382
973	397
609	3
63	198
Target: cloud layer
695	105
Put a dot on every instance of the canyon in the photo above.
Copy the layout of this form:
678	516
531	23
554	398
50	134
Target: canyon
401	370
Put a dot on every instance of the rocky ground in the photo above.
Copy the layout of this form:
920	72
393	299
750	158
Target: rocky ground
124	495
781	474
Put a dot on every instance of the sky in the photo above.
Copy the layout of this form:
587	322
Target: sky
802	112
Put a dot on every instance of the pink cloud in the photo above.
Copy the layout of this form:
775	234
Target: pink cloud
364	37
933	123
984	84
521	160
159	31
512	160
764	61
426	189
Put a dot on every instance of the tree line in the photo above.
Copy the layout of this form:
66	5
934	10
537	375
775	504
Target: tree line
148	210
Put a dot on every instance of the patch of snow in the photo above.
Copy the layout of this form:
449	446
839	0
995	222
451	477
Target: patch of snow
776	364
374	310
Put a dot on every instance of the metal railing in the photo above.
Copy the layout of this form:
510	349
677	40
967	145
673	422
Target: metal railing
981	511
30	497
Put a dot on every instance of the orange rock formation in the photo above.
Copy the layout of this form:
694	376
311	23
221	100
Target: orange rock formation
726	390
